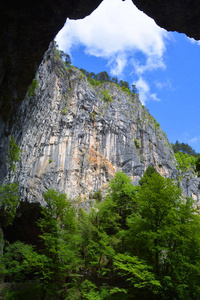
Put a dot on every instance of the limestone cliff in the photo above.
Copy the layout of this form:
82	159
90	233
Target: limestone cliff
75	136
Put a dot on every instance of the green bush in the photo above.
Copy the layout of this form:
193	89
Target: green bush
93	81
125	89
137	144
96	195
106	96
156	125
185	161
32	88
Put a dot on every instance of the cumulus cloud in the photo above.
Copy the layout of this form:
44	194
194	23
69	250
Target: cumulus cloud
118	63
144	91
193	41
154	97
117	31
115	27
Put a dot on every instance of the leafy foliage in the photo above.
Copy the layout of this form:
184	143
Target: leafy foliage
185	161
59	54
186	157
185	148
137	144
97	79
106	96
139	243
13	153
9	200
96	195
32	88
137	273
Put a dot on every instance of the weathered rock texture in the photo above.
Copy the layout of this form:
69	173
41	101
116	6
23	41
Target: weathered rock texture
27	28
74	137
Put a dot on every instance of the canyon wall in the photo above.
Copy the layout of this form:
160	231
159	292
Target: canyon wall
75	136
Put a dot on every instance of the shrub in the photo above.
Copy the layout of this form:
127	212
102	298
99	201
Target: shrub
106	96
96	195
32	88
137	144
185	161
156	125
94	82
64	111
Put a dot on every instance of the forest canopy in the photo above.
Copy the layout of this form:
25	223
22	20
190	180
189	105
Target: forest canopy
141	242
187	158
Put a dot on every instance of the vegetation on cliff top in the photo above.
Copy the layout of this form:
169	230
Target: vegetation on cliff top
99	78
186	157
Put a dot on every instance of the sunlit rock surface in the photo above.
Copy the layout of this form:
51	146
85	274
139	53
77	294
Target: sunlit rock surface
73	140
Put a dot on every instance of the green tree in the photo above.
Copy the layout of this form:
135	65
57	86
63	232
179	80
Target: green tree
122	192
197	164
103	77
161	233
59	234
148	173
138	275
185	161
123	83
9	200
56	264
115	79
185	148
134	89
96	244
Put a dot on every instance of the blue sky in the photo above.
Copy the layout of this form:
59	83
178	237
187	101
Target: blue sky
165	66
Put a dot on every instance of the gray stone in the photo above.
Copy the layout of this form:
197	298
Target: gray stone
80	151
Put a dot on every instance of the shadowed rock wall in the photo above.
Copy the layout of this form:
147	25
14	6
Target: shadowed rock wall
182	15
28	27
26	30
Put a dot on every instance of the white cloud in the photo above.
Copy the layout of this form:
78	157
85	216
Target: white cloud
151	63
195	139
117	64
154	97
114	28
144	91
118	31
193	41
165	85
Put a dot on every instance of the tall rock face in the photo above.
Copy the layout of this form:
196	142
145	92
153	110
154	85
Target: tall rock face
75	136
